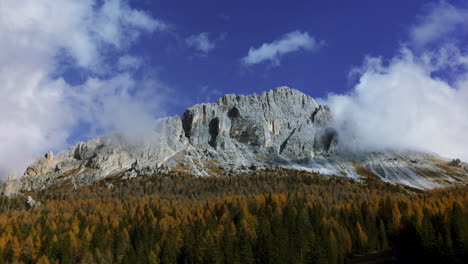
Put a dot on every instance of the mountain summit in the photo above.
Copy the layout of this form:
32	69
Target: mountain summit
238	134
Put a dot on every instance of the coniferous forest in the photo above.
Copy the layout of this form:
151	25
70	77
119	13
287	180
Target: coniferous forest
274	216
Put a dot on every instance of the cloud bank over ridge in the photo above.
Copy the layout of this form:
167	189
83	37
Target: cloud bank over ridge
40	109
404	103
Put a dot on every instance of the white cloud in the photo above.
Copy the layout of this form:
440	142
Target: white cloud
439	21
201	42
416	101
76	27
288	43
128	62
39	109
116	103
401	106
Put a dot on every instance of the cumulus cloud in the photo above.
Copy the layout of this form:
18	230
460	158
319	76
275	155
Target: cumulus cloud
418	100
288	43
440	21
201	43
39	109
401	106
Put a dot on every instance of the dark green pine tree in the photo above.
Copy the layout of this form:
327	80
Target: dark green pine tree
383	239
459	233
315	250
333	253
263	242
169	251
244	246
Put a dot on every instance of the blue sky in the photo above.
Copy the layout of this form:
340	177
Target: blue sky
72	70
349	29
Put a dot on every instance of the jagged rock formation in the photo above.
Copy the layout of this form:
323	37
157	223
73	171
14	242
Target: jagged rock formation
283	121
279	128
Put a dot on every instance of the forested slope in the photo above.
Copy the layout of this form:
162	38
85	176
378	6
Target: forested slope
274	216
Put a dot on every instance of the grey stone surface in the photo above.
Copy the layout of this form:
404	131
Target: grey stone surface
283	120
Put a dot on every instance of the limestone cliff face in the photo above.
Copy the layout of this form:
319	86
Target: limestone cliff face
283	121
279	128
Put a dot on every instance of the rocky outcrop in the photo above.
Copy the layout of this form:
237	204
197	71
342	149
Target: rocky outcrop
284	121
456	163
237	134
32	203
100	157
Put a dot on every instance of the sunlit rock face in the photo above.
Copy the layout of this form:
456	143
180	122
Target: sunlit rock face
237	134
284	121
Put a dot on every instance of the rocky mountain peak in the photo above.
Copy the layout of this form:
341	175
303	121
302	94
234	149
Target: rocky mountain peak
239	133
260	120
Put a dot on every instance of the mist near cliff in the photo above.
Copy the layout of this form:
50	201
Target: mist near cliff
41	106
402	105
417	100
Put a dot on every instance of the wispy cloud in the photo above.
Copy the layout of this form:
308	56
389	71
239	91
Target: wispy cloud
129	62
288	43
201	43
39	109
440	20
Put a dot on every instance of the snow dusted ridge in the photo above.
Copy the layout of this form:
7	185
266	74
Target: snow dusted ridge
417	170
238	134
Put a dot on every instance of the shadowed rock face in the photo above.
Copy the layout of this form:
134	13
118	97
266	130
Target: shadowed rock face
279	128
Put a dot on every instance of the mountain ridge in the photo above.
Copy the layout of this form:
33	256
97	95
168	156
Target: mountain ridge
238	134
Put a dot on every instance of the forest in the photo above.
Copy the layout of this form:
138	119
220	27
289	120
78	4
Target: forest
272	216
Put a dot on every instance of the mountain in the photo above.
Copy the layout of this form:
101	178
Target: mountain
239	134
